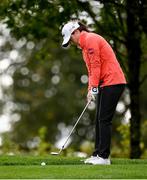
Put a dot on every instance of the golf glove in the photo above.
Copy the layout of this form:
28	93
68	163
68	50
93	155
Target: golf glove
91	96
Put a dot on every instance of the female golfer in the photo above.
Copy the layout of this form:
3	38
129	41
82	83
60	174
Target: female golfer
106	83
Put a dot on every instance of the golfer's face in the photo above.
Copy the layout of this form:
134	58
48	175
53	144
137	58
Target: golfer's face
75	37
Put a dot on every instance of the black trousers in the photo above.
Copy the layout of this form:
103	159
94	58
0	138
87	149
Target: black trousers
106	103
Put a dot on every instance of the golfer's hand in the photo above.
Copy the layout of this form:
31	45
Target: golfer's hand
91	96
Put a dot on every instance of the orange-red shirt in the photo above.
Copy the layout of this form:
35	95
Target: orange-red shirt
102	65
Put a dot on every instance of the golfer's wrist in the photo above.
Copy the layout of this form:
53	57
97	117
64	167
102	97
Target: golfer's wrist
94	90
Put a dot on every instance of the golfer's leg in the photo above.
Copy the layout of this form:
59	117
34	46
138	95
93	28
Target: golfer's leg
96	151
108	102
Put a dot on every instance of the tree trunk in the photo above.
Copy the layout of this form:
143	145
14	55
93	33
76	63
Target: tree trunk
134	60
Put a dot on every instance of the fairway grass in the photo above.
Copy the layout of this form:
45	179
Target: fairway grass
28	167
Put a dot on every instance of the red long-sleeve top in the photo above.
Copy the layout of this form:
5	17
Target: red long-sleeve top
102	65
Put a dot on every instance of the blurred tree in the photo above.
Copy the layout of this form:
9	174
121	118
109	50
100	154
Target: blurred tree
43	82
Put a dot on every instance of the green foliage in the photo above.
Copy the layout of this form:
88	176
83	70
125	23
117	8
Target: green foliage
44	146
87	147
143	139
125	139
8	147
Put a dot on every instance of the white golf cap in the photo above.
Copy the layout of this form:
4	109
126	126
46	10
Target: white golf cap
67	30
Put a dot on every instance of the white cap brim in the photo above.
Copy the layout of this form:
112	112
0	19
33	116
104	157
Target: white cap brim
66	39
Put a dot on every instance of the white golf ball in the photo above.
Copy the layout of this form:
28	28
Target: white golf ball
43	164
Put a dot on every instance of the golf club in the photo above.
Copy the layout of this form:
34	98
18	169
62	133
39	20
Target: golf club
57	153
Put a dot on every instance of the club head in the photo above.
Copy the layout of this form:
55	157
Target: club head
57	153
54	153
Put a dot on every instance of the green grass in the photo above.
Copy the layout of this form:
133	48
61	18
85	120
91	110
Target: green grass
59	167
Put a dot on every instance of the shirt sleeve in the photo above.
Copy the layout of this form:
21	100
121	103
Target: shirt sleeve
93	62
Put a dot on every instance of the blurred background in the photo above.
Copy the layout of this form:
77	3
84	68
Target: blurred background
43	87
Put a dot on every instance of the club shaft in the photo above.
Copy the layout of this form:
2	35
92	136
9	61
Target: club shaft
75	125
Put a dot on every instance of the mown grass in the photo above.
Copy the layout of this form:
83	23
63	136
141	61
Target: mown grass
59	167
